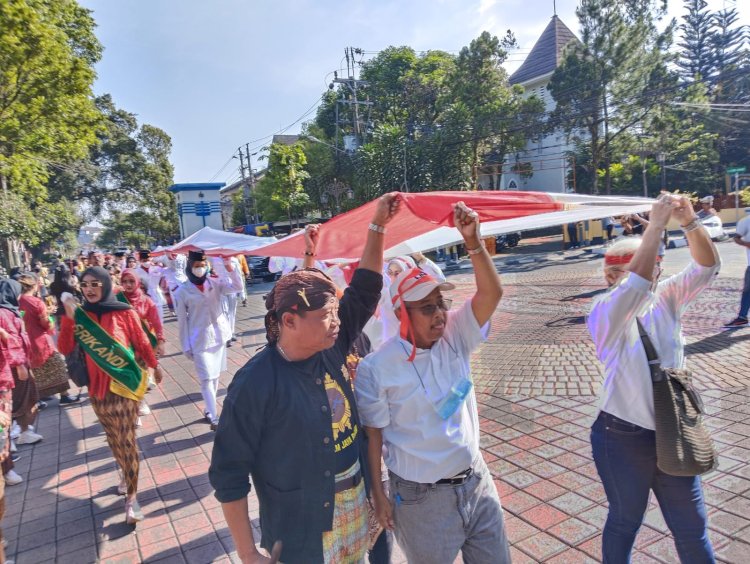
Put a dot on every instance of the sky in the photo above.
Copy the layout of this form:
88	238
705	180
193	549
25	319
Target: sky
221	73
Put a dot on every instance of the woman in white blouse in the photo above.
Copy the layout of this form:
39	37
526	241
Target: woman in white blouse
622	438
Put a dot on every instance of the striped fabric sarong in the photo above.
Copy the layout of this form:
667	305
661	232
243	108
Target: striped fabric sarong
346	542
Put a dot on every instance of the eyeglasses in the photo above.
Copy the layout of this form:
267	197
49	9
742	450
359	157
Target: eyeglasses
430	309
94	284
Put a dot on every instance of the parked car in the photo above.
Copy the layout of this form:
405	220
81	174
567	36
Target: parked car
259	269
507	240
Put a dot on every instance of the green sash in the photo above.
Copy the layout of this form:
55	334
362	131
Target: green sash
149	333
128	379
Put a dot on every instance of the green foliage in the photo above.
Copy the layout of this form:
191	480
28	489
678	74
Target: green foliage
269	209
47	115
138	229
437	120
283	184
127	168
480	90
605	84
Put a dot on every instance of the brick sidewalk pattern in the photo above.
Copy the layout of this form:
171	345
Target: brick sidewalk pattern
536	381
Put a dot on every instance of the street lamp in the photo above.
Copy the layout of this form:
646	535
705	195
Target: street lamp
335	191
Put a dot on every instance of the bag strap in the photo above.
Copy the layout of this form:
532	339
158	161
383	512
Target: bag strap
652	356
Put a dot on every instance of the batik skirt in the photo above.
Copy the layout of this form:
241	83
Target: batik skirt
346	542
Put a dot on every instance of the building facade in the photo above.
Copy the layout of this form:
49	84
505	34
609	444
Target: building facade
542	165
198	206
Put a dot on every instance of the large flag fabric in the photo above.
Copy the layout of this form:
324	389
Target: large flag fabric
425	221
219	243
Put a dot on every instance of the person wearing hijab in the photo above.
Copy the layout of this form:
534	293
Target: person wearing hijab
18	393
50	371
204	326
63	281
150	275
133	294
107	332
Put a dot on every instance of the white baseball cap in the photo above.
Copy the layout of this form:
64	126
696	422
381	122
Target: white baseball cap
413	285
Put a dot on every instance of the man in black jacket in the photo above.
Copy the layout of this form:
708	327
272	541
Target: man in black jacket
291	422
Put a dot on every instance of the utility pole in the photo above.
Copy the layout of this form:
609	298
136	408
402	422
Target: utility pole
245	188
252	182
353	85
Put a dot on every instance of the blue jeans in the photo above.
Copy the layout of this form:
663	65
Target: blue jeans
745	300
625	457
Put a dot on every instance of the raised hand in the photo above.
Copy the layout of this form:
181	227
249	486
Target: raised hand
466	221
387	208
312	235
662	210
684	212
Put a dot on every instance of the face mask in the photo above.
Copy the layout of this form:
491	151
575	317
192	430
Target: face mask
200	272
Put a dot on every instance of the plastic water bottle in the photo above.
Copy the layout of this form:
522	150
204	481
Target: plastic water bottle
451	402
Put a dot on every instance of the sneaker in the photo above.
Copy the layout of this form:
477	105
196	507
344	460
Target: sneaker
28	437
15	430
151	383
739	322
133	513
144	409
12	478
214	425
15	457
65	400
41	405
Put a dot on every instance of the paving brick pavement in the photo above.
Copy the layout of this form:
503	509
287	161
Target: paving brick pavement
535	380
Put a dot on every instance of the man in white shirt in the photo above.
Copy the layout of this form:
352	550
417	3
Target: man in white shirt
415	396
622	437
742	238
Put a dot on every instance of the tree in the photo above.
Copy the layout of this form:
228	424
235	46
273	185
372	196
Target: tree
697	57
284	179
138	229
127	169
47	116
500	119
605	84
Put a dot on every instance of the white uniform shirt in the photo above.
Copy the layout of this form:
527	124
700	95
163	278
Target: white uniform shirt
432	269
152	277
200	315
627	391
743	229
175	271
421	446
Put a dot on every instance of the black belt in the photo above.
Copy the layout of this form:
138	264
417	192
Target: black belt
348	483
458	479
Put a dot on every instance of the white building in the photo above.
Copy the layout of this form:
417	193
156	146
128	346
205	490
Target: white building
198	206
545	158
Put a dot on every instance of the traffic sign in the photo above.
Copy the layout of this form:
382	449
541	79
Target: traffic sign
736	170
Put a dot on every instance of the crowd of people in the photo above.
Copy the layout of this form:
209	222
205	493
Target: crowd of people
102	315
358	422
